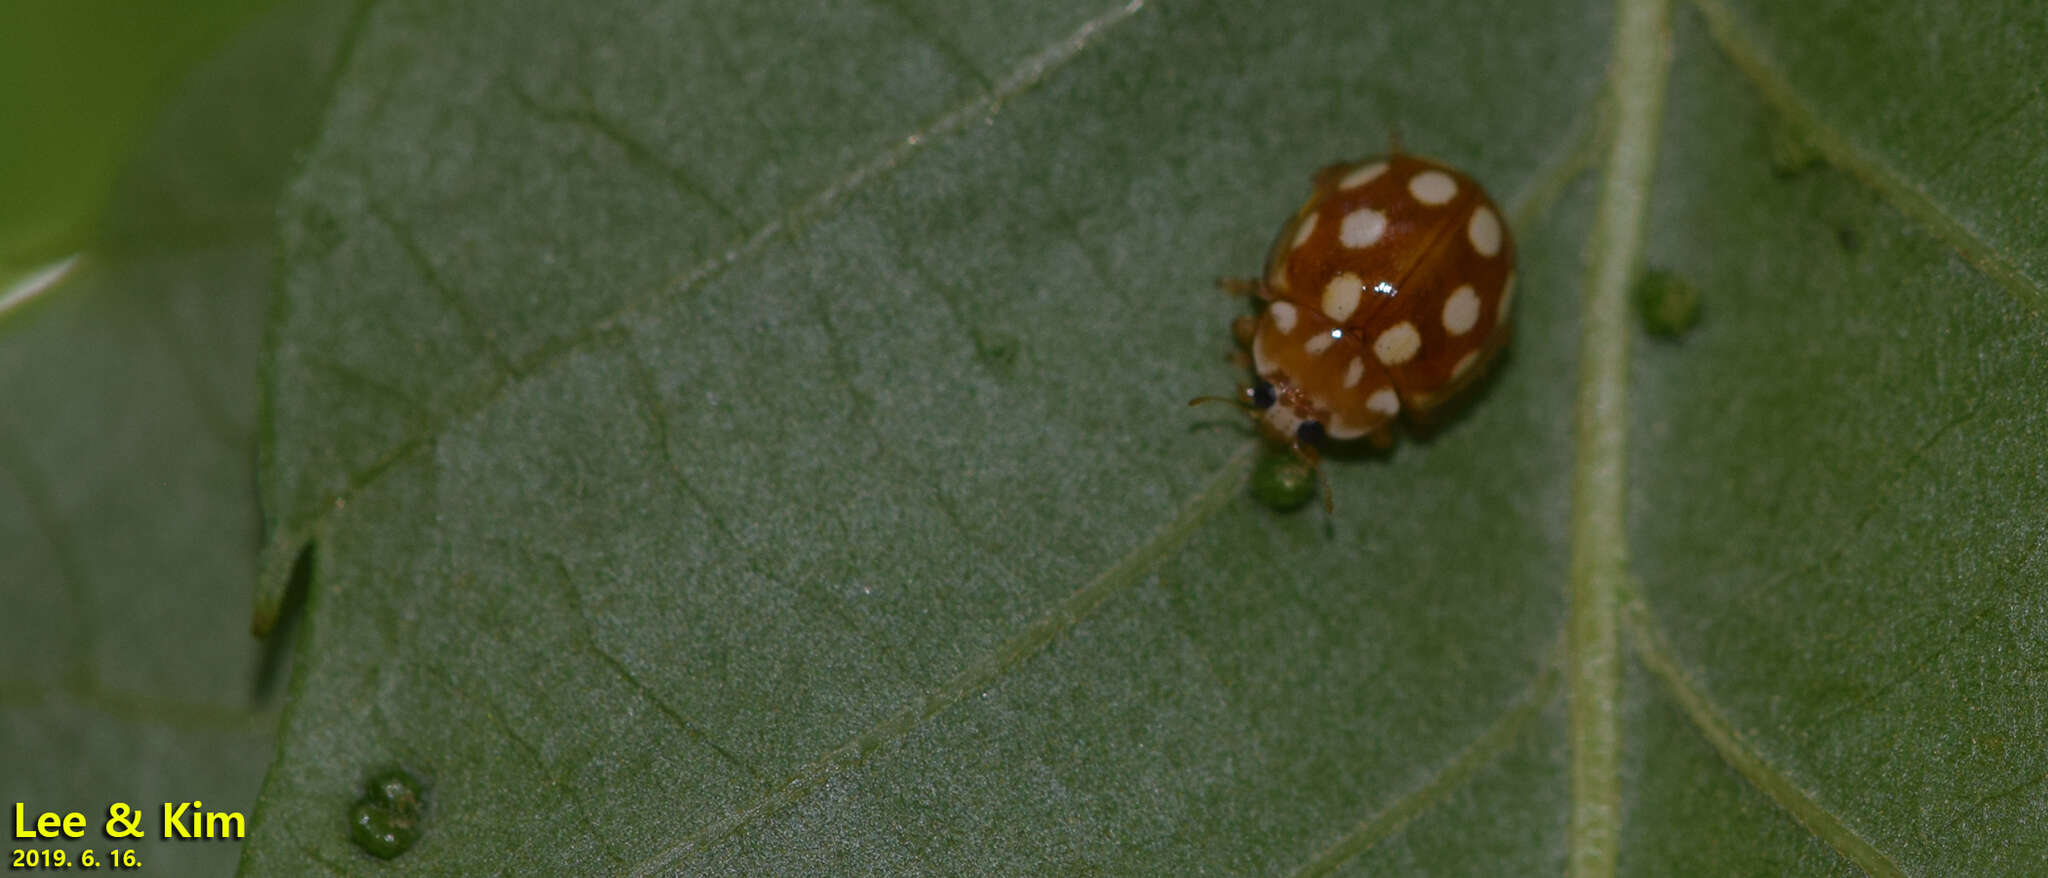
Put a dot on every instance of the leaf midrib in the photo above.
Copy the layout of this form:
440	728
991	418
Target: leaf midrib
1599	534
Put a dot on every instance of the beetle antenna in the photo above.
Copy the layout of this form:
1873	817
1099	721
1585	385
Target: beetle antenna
1200	400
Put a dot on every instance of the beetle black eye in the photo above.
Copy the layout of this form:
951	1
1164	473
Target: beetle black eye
1262	395
1310	433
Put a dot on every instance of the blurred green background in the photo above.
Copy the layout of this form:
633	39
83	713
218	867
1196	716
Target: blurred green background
80	83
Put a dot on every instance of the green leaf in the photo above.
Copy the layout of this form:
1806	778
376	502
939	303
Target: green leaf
83	80
128	514
747	438
1840	481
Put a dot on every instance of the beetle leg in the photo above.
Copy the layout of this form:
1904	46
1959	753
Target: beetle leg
1315	462
1243	286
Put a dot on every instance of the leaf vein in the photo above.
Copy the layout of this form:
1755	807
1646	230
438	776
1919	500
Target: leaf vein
1909	196
315	854
451	298
980	674
2013	790
650	402
1713	724
206	400
626	675
541	765
923	29
1572	156
1025	76
1447	778
722	53
1889	482
1871	699
636	151
42	509
364	381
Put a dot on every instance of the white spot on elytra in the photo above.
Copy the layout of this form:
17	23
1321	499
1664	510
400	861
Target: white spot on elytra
1307	228
1384	401
1354	372
1464	364
1362	176
1398	344
1362	227
1432	187
1340	296
1321	342
1484	230
1283	315
1260	361
1507	298
1461	311
1342	428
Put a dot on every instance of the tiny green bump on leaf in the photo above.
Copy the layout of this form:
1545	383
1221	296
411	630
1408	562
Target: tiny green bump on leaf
1283	481
1669	305
386	821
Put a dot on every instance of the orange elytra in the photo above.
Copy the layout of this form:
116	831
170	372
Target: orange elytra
1390	291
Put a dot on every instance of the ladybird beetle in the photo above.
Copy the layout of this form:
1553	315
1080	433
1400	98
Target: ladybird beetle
1390	290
